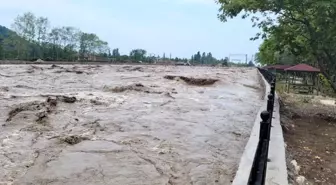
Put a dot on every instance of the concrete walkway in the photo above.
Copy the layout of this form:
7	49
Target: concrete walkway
276	168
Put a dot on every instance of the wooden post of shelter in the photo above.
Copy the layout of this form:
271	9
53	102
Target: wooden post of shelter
303	78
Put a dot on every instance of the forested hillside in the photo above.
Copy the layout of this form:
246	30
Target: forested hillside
33	37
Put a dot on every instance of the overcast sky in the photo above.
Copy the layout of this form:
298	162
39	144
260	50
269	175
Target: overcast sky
179	27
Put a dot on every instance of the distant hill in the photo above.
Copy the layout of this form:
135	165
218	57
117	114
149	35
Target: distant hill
7	46
5	32
13	46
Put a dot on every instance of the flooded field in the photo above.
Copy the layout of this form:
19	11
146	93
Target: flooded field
124	125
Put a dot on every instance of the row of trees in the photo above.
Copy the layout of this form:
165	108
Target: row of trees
34	38
207	58
204	58
293	31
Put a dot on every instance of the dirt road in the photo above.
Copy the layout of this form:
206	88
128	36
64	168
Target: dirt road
93	125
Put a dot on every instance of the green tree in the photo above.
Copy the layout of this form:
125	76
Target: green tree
138	54
116	54
198	57
42	24
1	52
251	64
90	44
268	54
31	39
225	61
15	47
55	39
102	48
203	58
306	28
209	58
124	58
70	42
41	28
25	26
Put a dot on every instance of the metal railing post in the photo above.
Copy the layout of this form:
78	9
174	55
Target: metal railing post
273	88
265	125
270	102
258	171
259	166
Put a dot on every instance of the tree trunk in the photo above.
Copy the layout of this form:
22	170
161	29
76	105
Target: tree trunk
18	53
327	76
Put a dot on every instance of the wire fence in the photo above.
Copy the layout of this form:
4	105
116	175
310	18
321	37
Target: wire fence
259	166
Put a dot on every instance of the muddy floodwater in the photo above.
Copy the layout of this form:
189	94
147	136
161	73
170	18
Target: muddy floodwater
124	125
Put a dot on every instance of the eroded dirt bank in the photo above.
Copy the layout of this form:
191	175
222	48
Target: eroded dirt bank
310	134
124	124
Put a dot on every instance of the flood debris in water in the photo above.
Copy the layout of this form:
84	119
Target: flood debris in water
55	66
30	106
74	69
193	81
36	67
138	87
67	99
41	117
43	107
24	87
5	89
73	139
96	102
131	68
52	101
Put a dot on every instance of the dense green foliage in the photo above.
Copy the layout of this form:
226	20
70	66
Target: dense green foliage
204	58
294	31
138	54
207	58
32	38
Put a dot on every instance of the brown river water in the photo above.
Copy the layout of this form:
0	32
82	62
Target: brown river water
124	125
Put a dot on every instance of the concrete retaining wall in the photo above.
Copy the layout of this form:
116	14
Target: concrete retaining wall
276	168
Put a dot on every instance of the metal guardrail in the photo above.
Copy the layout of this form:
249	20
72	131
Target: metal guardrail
259	166
269	76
